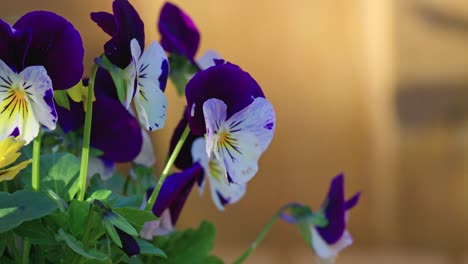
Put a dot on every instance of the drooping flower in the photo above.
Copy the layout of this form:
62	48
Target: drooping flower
9	148
137	76
179	34
170	201
328	241
41	52
227	105
325	230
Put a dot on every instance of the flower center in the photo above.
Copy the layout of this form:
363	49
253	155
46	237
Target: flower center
15	102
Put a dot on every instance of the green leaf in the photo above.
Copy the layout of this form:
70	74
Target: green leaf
112	232
188	246
59	172
75	245
78	215
146	248
62	205
36	232
135	216
61	98
23	206
122	223
182	70
3	243
100	195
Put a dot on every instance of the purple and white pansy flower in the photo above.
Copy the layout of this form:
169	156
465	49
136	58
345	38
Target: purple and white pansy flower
39	53
222	191
228	106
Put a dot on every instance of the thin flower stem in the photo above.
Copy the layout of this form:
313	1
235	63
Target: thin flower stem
36	161
87	135
167	169
26	249
262	234
12	246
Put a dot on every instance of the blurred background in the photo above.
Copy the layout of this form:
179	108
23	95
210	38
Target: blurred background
375	89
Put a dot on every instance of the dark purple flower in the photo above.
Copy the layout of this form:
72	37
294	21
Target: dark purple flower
123	26
129	244
335	210
328	241
179	34
224	81
44	38
175	191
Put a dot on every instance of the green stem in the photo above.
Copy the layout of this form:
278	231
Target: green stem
87	135
26	249
167	168
258	240
263	233
5	186
36	161
126	184
12	246
86	232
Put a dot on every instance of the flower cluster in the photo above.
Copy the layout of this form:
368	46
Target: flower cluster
92	122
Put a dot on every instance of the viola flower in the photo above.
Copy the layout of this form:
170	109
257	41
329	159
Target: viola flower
179	34
26	102
41	52
171	199
330	239
9	148
141	77
222	191
228	105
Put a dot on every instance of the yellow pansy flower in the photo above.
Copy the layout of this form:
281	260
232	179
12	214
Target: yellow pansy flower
9	148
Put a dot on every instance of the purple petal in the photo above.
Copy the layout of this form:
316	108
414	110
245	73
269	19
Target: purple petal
175	191
104	84
13	46
352	201
334	212
179	33
184	159
105	21
56	45
114	130
227	82
128	26
72	119
129	244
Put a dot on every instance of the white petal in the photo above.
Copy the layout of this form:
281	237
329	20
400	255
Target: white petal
149	65
151	106
221	190
206	60
326	251
146	155
216	174
97	166
129	77
8	121
39	82
239	141
150	100
162	226
199	155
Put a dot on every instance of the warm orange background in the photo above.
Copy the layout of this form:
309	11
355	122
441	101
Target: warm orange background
333	70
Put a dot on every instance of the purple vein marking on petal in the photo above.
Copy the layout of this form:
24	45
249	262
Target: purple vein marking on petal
164	74
49	99
223	200
269	126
